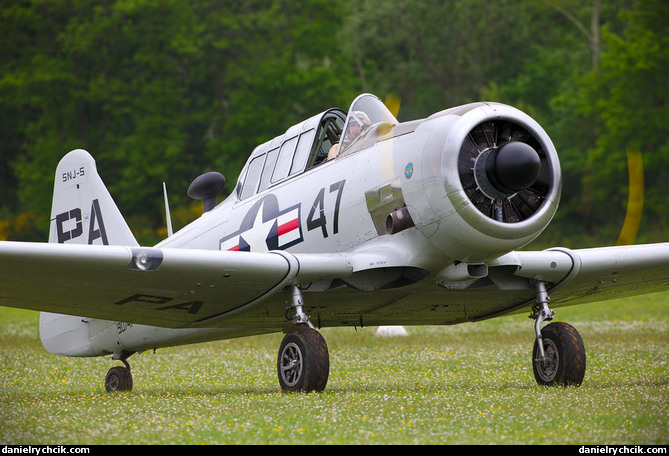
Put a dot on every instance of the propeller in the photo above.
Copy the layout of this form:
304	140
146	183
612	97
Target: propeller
635	197
393	102
504	171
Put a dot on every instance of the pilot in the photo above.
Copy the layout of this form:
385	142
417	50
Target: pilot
332	153
352	131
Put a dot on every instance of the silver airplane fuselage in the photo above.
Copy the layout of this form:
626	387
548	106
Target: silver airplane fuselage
396	192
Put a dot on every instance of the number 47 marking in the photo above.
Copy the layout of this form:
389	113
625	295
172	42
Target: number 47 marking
318	220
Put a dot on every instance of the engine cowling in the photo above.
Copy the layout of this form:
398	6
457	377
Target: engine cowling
501	177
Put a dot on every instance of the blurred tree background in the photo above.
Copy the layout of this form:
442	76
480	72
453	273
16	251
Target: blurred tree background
163	91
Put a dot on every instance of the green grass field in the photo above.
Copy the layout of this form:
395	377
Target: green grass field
465	384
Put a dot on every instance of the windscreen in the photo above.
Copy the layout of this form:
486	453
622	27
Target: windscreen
366	110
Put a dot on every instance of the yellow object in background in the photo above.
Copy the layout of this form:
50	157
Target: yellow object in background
634	198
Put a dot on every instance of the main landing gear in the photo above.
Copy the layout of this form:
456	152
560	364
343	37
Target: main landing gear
558	357
303	363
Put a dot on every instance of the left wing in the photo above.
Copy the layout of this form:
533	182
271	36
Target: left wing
174	288
581	276
613	272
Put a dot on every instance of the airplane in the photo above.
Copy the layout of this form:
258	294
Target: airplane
348	219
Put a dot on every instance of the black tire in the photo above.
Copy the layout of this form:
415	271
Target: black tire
118	379
566	356
303	363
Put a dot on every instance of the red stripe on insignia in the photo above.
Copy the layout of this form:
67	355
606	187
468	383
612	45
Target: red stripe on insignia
289	226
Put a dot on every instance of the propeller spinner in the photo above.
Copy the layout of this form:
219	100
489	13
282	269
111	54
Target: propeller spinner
512	167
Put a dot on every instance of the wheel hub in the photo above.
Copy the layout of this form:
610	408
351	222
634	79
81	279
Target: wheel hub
548	366
291	364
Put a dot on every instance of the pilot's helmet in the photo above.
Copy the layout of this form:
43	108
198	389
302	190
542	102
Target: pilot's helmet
363	117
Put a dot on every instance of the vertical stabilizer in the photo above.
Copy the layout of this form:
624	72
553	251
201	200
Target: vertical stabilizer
83	211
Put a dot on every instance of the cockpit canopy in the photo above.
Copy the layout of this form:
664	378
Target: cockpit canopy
310	143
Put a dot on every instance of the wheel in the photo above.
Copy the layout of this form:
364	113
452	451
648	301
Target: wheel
303	363
565	364
118	379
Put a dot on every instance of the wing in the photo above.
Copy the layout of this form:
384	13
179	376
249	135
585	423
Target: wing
613	272
172	288
573	277
178	288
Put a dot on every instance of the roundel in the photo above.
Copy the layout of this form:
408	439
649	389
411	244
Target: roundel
408	170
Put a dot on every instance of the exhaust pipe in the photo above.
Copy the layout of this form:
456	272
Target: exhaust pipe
398	221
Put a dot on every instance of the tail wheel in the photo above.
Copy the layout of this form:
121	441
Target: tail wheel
565	356
118	379
303	363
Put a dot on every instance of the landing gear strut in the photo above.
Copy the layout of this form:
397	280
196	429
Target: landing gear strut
303	363
119	378
558	357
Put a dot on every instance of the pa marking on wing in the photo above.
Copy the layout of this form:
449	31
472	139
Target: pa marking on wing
163	303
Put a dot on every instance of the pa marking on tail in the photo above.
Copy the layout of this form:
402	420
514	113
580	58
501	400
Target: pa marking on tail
82	210
69	225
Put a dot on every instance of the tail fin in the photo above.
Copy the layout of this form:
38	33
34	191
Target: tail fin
83	211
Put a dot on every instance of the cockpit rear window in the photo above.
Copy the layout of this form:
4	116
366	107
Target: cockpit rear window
302	152
285	160
252	176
